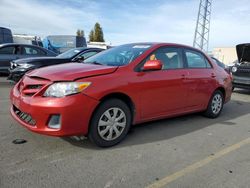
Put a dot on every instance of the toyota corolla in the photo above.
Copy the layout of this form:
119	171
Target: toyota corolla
120	87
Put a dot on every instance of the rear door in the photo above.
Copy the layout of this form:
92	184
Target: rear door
163	92
200	80
7	54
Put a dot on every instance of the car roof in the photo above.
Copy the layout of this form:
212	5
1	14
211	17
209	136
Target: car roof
164	44
14	44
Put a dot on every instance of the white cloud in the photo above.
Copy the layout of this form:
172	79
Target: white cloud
129	21
34	17
160	23
229	23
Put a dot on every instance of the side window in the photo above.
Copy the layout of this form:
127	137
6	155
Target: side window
18	50
170	57
7	50
32	51
40	52
87	54
196	60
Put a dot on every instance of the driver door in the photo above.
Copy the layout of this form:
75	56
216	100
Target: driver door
164	92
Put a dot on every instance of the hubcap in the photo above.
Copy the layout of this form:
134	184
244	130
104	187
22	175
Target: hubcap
111	124
217	103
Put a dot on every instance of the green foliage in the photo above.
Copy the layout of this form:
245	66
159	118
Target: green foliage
91	36
96	34
80	33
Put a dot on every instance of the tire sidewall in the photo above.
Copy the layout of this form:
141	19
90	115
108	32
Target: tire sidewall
209	112
93	130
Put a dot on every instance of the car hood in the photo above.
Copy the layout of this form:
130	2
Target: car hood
243	52
40	59
71	71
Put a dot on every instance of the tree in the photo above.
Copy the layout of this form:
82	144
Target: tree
96	34
91	36
98	37
80	33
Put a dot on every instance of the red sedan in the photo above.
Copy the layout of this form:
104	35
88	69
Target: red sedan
126	85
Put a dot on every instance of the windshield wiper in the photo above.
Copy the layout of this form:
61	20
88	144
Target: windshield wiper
95	63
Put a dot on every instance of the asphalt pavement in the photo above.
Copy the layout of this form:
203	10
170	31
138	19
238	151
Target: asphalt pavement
188	151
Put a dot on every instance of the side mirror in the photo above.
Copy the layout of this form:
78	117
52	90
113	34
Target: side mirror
152	65
79	58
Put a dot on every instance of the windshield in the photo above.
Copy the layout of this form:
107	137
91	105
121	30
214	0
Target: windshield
69	54
119	56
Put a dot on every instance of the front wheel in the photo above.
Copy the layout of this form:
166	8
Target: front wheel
110	123
215	105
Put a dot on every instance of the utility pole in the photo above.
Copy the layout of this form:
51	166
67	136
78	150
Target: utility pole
201	35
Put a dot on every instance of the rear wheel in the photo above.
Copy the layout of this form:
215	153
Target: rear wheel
110	123
215	105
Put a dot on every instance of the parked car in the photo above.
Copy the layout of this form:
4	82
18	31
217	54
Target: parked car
12	51
222	65
122	86
19	67
241	69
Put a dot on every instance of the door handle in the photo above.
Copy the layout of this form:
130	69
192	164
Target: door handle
213	75
183	76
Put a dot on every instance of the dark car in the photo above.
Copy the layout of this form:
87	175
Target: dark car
241	70
12	51
19	67
222	65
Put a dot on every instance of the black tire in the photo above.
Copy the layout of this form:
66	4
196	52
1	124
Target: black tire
210	111
94	129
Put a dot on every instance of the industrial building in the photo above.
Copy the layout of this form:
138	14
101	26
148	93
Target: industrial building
227	55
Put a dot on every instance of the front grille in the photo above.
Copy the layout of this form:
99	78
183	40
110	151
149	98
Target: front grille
34	86
27	118
31	86
29	90
242	71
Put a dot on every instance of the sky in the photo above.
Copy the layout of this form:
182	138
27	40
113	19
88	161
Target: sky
125	21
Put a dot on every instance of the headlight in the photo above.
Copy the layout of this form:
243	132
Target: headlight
62	89
234	69
24	66
13	63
